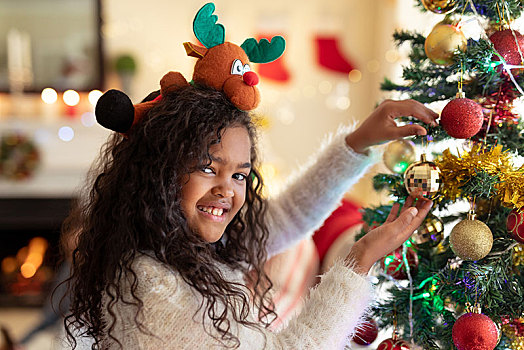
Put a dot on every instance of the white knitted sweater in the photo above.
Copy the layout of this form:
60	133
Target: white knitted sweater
332	310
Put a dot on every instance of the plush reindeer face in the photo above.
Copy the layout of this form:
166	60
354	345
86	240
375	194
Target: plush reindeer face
225	66
221	65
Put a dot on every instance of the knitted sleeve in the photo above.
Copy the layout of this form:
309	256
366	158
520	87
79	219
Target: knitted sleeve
169	318
314	192
331	313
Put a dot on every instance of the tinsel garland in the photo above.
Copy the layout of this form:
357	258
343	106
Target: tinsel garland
457	171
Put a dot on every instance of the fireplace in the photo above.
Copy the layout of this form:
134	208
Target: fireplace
29	248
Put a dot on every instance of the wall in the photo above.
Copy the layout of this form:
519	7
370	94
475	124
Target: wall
299	112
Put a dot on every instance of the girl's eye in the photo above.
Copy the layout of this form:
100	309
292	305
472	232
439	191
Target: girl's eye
239	177
237	67
207	170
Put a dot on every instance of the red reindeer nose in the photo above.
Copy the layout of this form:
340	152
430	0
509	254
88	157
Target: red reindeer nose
250	78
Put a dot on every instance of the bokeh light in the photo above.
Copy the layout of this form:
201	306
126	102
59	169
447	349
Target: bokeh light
49	96
71	97
93	96
66	133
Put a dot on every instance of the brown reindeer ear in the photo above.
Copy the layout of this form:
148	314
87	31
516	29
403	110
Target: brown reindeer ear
195	50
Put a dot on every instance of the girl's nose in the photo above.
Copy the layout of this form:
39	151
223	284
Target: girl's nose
223	190
250	78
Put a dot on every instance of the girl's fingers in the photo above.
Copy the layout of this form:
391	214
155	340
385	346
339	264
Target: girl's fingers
423	202
423	206
409	130
393	213
408	203
417	110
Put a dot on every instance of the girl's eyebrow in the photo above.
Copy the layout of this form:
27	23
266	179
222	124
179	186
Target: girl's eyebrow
246	165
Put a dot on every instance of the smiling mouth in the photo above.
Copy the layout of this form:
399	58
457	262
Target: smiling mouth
216	212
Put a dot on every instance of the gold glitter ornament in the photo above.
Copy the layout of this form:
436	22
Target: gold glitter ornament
399	155
422	178
431	230
440	6
442	42
471	239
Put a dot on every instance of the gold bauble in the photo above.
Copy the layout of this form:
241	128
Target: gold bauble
431	230
399	155
471	239
440	6
422	178
442	42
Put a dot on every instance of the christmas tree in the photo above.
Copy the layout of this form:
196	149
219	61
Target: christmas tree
459	281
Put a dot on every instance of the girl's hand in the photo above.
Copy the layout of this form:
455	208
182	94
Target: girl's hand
388	237
380	126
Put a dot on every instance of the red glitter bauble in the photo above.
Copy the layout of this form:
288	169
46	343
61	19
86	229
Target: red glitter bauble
515	225
393	263
366	333
504	43
475	331
462	118
394	344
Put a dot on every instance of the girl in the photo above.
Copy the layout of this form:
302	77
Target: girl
175	228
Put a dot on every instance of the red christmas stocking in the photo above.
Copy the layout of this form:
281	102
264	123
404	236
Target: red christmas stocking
329	55
275	70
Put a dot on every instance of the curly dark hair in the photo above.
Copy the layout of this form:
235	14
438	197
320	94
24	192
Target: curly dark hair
133	206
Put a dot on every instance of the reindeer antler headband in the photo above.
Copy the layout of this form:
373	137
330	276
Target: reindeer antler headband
221	65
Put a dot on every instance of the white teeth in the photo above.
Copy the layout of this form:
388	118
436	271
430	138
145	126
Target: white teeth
212	211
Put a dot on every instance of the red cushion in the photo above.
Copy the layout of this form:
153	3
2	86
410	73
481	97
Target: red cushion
343	218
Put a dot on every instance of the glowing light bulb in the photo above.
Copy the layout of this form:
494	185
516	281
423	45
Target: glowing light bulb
88	119
49	96
392	56
8	265
66	133
28	270
388	260
355	76
93	96
71	98
343	102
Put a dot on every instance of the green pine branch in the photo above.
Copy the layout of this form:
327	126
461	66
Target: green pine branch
443	283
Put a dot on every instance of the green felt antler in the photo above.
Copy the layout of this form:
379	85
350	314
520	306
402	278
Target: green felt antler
206	29
264	51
